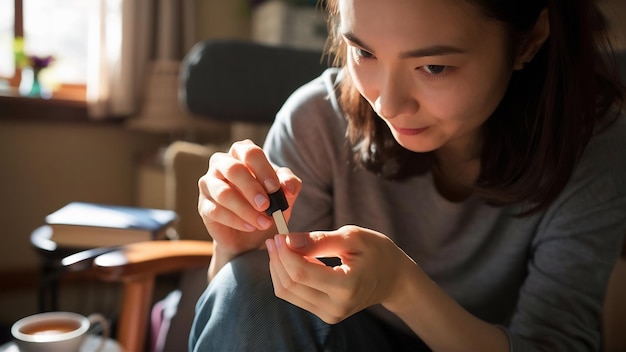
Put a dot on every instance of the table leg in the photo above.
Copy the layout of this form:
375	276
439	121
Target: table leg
48	287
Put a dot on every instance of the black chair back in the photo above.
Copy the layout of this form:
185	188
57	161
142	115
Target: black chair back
235	80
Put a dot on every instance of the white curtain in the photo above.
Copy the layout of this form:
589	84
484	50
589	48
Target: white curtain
125	36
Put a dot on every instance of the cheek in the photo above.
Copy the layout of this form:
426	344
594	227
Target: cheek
363	81
472	99
442	103
485	98
487	88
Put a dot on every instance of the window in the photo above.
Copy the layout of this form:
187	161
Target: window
49	27
7	33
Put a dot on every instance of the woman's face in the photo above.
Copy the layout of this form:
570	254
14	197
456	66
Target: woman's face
433	70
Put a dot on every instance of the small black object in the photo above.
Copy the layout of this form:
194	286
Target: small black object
278	201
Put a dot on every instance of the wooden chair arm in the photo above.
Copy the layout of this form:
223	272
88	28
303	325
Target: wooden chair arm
137	265
151	258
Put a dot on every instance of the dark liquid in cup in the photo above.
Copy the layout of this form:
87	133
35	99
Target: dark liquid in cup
50	327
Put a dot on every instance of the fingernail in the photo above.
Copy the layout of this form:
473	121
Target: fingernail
260	200
269	245
278	241
297	240
249	227
264	222
271	185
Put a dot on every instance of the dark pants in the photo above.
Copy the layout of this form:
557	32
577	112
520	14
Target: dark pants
239	312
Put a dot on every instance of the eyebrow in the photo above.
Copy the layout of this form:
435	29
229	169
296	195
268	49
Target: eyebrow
435	50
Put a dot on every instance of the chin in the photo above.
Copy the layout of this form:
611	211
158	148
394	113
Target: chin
416	144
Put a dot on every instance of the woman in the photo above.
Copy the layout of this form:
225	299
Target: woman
478	203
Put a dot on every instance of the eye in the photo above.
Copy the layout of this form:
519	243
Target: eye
360	53
434	69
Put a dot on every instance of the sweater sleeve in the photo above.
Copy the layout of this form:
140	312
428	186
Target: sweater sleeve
571	258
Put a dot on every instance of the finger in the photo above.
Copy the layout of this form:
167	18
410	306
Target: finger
255	159
316	309
333	305
233	186
285	288
306	272
211	213
291	183
226	205
319	244
236	173
287	285
343	242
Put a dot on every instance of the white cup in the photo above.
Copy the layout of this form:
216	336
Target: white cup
56	331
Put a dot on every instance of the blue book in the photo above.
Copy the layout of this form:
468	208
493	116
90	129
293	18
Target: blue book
91	225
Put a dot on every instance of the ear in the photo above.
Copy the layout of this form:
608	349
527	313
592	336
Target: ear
533	41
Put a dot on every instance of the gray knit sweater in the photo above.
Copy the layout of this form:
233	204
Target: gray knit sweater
542	277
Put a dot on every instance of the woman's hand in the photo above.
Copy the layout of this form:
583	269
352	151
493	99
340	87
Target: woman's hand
370	273
233	198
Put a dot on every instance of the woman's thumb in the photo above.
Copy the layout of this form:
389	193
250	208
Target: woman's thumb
297	240
318	243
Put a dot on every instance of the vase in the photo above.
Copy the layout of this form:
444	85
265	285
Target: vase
30	84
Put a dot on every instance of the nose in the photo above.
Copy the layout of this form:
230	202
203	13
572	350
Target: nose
395	95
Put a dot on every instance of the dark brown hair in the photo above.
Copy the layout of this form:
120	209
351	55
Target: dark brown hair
539	131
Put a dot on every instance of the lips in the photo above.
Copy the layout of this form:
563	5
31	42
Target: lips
409	131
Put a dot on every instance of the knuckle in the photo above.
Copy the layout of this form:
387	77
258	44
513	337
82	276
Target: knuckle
241	143
299	275
356	235
340	312
215	158
349	230
236	146
202	182
232	169
221	194
289	284
201	206
207	210
252	153
331	319
211	211
241	149
280	291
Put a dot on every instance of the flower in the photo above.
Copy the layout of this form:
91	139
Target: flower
23	60
39	62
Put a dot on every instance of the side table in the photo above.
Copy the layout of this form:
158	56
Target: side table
51	265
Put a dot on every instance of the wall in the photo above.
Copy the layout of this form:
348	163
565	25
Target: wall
223	18
44	166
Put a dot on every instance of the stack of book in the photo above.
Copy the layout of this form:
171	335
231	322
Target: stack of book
91	225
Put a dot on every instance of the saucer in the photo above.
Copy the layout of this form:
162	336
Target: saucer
91	343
